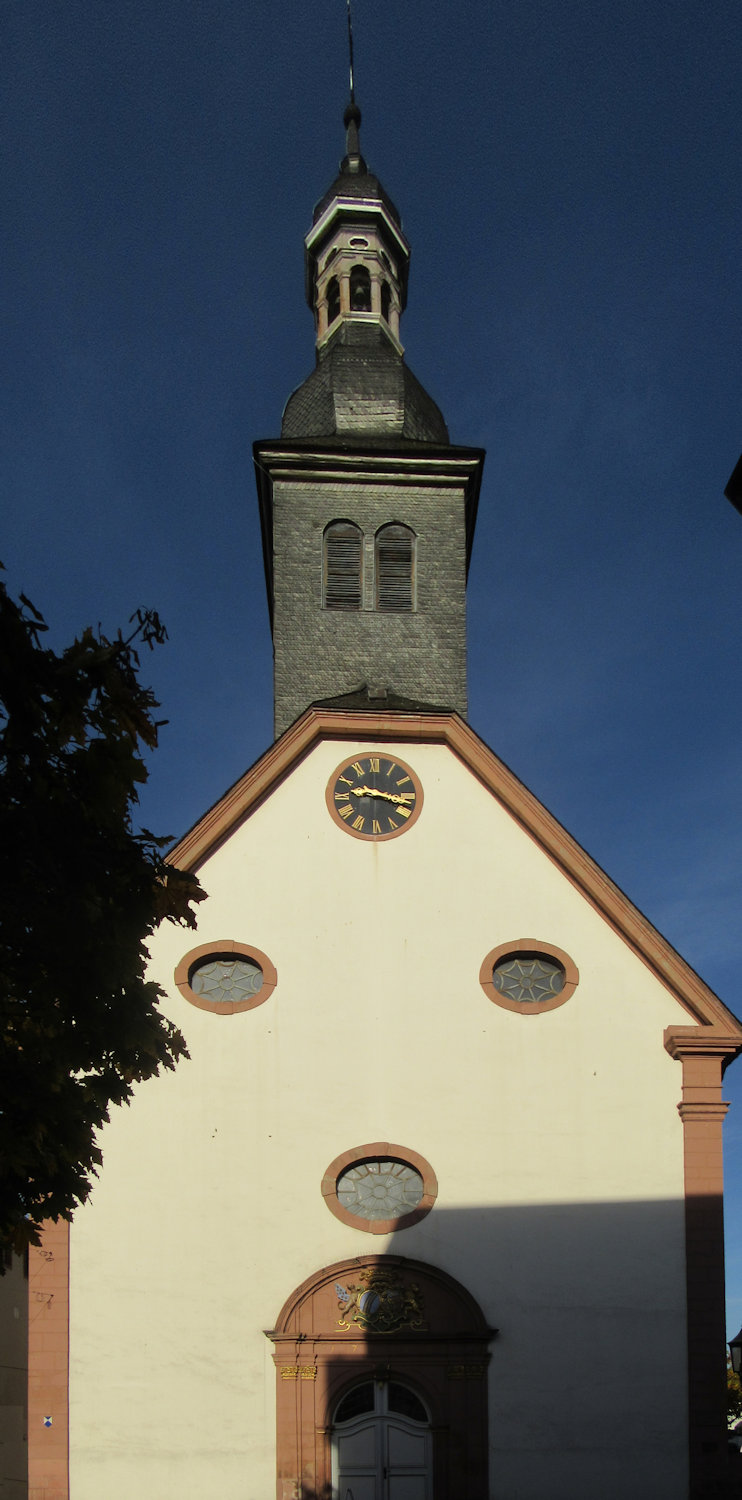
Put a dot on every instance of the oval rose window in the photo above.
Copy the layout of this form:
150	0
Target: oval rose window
380	1187
528	977
225	977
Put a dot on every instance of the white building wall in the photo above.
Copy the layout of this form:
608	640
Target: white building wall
555	1140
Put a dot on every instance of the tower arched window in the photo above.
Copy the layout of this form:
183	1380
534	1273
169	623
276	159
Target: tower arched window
342	586
333	299
395	568
360	289
386	299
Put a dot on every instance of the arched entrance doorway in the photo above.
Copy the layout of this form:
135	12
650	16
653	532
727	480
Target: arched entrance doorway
381	1444
392	1331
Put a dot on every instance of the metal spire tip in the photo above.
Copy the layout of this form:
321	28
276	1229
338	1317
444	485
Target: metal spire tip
350	54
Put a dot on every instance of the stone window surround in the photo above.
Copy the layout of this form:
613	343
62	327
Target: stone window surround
217	950
529	945
377	1150
369	565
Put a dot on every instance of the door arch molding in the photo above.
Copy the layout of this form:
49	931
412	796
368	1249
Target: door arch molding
385	1317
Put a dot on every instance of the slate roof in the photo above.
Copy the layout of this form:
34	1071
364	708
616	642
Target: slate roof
362	184
365	698
354	179
362	386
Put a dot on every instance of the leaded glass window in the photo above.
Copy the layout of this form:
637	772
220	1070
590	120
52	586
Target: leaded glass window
401	1399
226	979
528	977
380	1189
381	1397
357	1402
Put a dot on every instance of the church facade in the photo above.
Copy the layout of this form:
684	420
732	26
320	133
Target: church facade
434	1212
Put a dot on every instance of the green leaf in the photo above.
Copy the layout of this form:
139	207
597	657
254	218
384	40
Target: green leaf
80	893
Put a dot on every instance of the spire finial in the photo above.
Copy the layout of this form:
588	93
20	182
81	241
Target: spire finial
350	55
352	161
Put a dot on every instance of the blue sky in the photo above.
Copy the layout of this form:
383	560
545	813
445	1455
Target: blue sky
568	176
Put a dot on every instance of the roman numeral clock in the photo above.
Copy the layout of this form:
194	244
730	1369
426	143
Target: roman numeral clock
374	797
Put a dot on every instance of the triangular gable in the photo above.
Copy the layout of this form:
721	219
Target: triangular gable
447	728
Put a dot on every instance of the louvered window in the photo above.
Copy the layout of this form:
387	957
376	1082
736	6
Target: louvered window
343	584
395	568
386	300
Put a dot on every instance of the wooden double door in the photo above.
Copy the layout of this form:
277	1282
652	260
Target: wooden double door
381	1444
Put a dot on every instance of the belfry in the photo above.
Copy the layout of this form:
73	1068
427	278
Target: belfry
367	510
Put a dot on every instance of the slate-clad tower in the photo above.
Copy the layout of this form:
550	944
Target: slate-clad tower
367	511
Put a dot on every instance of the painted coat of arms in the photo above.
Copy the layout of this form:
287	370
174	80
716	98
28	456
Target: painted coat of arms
382	1302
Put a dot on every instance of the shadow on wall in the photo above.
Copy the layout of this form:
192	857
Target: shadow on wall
582	1391
13	1377
584	1386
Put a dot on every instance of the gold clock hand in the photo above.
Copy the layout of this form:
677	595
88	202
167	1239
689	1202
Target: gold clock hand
367	791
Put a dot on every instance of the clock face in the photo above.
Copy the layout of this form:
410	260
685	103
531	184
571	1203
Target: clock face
374	796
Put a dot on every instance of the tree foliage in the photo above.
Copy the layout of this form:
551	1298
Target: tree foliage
734	1394
80	892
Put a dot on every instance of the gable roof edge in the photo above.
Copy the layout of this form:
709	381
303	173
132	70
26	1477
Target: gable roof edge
580	868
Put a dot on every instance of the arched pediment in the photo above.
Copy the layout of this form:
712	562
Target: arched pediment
381	1317
377	1295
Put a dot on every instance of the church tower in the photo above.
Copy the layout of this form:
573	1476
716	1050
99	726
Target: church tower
367	510
452	1103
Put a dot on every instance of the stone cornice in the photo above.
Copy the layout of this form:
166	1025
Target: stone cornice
708	1041
709	1113
428	465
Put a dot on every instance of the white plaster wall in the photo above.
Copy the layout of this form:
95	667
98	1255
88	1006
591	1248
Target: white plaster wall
555	1139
